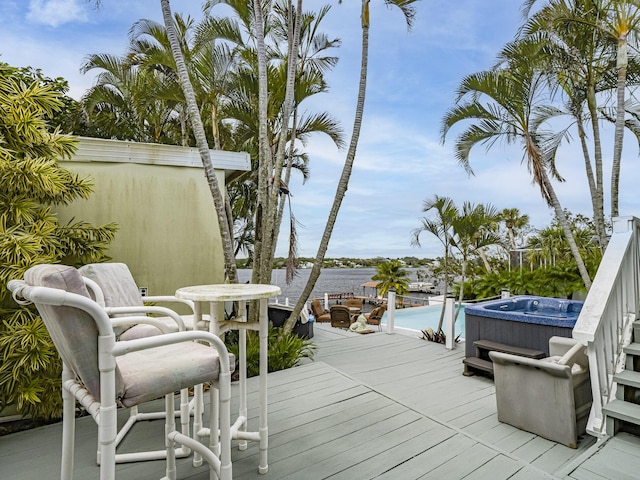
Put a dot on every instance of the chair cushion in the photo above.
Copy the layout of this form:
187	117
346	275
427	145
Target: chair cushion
73	331
147	375
117	285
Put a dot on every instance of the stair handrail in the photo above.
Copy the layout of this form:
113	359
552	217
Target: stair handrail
605	321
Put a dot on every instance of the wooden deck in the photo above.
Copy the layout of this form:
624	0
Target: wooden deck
370	406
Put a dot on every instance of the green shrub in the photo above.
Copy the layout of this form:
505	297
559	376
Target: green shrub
32	182
286	350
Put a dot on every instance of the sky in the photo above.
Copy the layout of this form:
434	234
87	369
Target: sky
401	160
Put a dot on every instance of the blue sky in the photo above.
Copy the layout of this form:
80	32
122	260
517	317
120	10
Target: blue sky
400	160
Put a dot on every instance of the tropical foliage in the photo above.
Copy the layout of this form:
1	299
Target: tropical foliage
391	276
32	182
286	350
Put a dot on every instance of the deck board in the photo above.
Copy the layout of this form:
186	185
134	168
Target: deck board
370	406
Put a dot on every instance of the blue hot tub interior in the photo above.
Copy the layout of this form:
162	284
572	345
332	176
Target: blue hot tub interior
529	309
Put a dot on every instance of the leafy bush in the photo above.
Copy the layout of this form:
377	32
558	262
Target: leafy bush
286	350
32	182
437	337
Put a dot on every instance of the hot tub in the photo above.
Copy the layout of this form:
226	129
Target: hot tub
522	321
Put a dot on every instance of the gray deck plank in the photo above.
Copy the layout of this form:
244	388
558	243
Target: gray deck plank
454	469
431	459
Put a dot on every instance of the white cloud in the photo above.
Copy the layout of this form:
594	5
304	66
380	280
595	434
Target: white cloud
57	12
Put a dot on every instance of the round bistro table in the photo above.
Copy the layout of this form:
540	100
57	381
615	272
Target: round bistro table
214	297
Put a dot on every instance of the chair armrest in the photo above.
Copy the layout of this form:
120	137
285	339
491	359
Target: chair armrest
165	312
127	346
168	299
558	346
552	368
575	355
138	319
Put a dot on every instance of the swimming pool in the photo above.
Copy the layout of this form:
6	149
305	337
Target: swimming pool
419	318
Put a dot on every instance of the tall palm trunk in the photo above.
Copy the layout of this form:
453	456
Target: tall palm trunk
344	177
594	178
564	223
265	159
270	171
294	32
619	127
461	294
446	289
201	142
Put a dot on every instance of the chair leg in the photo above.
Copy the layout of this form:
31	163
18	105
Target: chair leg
136	416
170	426
68	428
107	431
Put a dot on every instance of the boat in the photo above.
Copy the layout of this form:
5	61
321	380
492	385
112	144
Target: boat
422	287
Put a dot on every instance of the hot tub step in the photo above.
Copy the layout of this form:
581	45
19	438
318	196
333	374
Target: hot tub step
472	364
488	346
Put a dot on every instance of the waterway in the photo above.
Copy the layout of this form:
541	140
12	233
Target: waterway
331	280
343	280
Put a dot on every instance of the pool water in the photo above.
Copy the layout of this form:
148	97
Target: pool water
419	318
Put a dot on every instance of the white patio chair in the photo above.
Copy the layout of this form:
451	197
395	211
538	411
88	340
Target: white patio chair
112	286
100	372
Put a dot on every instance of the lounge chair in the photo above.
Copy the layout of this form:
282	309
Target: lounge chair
100	372
320	315
353	304
375	317
340	316
550	397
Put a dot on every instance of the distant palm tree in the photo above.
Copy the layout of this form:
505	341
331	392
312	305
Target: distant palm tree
442	228
391	276
513	221
473	232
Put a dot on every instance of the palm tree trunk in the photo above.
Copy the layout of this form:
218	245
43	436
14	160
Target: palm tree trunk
344	177
287	109
461	295
598	195
485	261
201	141
619	130
265	160
564	223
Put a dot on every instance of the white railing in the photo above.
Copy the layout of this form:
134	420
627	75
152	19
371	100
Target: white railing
606	320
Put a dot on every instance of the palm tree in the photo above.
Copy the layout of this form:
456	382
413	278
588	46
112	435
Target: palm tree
505	104
201	142
408	10
126	103
473	232
572	54
611	26
620	25
391	276
442	228
513	221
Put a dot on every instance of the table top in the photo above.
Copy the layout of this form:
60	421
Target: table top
227	292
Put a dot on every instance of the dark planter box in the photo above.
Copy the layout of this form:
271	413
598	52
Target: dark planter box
278	314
